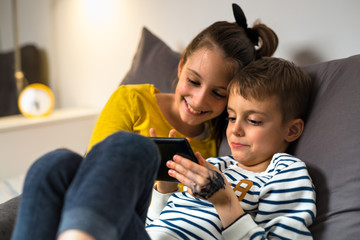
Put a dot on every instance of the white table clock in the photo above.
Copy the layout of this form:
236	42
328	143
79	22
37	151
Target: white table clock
36	100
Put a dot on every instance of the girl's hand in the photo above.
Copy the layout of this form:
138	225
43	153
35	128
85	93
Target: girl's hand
161	186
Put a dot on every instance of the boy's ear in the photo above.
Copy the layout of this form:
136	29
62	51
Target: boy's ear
295	129
180	65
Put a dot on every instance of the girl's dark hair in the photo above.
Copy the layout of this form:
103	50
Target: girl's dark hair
237	48
234	42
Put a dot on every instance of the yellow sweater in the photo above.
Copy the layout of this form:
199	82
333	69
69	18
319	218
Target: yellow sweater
134	108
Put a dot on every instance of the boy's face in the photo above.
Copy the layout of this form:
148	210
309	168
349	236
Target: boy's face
255	131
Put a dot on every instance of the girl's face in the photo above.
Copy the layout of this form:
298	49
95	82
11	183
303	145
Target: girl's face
201	92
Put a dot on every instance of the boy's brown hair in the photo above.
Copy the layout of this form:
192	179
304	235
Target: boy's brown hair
271	76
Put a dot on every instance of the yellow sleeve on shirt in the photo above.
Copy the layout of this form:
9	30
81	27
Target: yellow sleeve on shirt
134	108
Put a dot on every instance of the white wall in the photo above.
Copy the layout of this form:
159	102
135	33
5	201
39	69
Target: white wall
90	46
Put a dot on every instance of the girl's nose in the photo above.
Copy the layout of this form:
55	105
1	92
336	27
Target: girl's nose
200	97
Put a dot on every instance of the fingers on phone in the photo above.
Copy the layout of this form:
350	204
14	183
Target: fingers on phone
172	133
187	163
152	132
187	171
200	158
181	176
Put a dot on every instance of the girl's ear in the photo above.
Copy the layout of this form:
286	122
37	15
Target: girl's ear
295	129
180	66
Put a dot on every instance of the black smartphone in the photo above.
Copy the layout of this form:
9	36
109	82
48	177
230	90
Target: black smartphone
168	147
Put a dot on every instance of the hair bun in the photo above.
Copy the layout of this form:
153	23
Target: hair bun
242	22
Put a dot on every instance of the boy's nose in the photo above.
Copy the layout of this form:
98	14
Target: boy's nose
237	129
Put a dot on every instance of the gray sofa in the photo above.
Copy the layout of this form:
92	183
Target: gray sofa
329	145
7	217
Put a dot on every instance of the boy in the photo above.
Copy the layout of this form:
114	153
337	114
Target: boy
266	107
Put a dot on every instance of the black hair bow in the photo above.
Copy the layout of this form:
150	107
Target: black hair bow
241	21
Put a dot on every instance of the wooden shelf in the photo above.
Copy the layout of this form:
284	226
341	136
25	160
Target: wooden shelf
11	123
23	140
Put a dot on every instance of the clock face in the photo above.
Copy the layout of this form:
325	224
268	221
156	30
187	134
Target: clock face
36	100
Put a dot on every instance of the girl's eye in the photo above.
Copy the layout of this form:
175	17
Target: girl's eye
215	92
219	95
254	122
193	82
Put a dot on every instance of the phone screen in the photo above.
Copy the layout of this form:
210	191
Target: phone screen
168	147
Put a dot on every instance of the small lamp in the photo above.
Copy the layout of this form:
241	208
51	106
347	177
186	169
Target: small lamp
35	100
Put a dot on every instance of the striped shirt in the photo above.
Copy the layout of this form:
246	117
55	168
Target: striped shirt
279	203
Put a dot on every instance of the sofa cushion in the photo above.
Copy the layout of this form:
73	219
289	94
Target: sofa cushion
154	62
330	147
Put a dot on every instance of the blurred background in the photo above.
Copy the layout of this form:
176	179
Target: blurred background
88	45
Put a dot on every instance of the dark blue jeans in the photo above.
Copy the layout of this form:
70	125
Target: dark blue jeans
105	194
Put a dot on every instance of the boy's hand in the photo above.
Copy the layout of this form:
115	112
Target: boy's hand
205	181
161	186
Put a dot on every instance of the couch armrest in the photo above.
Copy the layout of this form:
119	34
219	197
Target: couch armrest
8	212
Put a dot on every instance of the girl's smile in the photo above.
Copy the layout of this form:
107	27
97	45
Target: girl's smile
193	110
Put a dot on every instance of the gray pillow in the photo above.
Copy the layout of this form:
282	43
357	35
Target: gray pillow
154	62
330	146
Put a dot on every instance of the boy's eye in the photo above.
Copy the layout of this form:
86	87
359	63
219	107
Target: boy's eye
254	122
231	119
